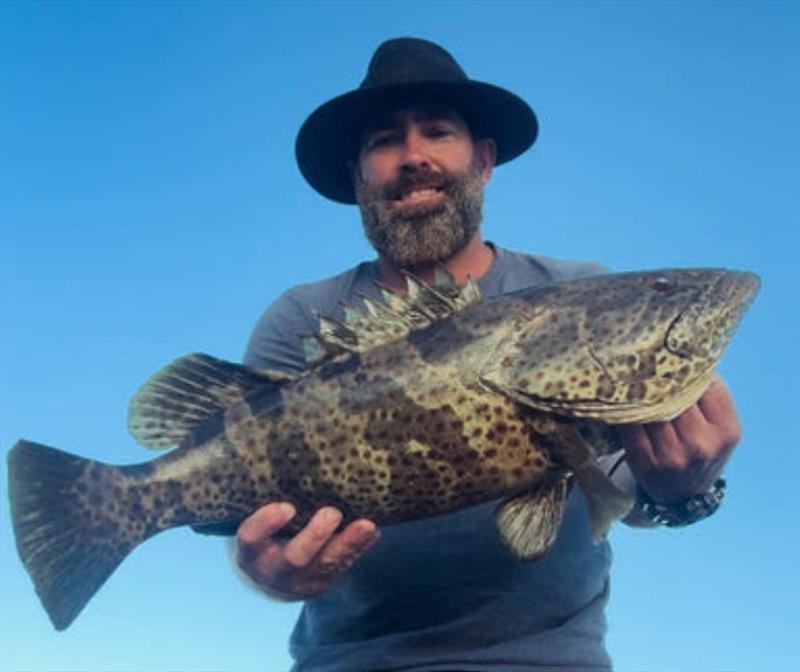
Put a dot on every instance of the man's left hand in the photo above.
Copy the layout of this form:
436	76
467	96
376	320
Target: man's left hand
675	460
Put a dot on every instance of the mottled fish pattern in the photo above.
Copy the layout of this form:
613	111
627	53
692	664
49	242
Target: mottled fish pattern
412	407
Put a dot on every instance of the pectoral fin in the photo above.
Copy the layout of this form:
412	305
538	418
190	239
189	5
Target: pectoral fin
529	523
568	447
607	503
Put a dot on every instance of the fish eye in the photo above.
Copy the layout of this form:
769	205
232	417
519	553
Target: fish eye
662	284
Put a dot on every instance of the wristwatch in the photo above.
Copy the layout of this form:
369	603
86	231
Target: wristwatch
683	513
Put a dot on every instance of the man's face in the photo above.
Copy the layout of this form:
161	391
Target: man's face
419	184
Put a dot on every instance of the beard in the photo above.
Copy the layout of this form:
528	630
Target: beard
426	233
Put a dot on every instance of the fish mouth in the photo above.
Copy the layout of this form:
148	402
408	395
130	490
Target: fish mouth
706	325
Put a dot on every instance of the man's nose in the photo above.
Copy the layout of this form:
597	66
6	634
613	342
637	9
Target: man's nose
415	151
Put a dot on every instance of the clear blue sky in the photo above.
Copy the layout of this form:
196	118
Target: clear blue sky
151	207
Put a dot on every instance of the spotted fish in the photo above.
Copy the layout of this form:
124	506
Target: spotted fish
411	407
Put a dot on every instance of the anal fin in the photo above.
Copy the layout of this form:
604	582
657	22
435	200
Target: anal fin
529	523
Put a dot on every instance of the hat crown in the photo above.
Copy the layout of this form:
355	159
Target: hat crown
408	60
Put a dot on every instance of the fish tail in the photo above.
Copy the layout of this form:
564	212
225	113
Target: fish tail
64	523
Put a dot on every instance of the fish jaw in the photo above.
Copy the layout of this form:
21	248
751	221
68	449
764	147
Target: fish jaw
705	334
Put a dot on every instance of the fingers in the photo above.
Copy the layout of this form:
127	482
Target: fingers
676	459
257	530
718	409
656	447
347	547
324	555
264	557
716	401
677	444
311	560
710	429
304	547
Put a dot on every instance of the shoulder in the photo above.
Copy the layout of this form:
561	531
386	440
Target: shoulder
550	268
326	294
276	338
515	270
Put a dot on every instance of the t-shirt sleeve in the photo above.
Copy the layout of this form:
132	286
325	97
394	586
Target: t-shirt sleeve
275	342
570	270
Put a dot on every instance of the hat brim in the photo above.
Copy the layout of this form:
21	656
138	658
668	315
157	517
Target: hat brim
329	139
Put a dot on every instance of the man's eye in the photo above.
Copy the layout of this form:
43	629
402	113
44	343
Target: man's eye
382	140
439	131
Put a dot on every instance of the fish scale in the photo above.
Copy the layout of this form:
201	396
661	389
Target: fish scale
413	407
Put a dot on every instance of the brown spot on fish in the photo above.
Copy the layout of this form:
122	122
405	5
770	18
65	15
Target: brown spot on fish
636	391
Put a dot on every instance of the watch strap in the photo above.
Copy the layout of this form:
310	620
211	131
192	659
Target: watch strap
687	512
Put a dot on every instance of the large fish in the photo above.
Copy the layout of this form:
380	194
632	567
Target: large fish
412	406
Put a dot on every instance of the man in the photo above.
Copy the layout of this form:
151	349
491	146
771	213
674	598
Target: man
414	147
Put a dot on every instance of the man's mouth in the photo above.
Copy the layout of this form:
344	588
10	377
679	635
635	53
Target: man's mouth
418	195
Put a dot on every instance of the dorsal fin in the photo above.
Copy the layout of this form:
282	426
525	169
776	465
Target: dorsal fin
169	406
374	323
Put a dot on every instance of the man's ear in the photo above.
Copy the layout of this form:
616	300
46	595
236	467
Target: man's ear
486	151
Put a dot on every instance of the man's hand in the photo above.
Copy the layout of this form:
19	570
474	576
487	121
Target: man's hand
308	563
674	460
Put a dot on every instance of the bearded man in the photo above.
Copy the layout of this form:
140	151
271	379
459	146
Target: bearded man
414	146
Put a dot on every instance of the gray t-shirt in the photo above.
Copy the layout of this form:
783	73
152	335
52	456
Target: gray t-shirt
443	594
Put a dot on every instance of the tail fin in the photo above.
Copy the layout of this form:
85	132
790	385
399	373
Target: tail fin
67	526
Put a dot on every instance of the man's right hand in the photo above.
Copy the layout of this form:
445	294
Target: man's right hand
308	563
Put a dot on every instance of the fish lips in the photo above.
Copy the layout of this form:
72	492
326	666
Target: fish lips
700	332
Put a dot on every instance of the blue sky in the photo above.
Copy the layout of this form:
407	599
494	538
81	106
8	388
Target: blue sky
151	206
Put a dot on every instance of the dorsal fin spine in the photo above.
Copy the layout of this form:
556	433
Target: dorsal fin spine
375	322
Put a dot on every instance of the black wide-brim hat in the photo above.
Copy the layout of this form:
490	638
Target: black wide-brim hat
406	71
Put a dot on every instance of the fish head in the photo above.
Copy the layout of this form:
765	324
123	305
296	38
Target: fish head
706	325
625	347
669	329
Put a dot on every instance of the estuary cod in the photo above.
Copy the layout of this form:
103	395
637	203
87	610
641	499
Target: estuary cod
411	407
